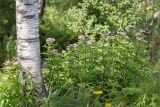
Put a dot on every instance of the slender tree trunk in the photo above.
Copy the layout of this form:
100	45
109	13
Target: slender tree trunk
28	43
41	5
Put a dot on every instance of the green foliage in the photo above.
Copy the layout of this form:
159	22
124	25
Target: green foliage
62	5
112	17
114	65
150	22
97	70
149	94
11	88
7	30
104	16
53	25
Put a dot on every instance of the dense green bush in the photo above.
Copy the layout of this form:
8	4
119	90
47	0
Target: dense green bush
104	16
114	65
119	16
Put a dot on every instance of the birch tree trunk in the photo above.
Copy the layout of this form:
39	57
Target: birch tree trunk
28	43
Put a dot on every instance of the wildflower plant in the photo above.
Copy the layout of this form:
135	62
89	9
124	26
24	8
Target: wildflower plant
91	71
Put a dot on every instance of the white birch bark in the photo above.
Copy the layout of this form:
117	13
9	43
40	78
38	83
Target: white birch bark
28	43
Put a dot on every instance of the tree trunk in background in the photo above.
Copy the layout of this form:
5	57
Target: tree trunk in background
28	43
41	6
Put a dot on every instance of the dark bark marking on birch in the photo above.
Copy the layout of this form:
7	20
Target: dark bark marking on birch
25	57
28	4
29	16
29	40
